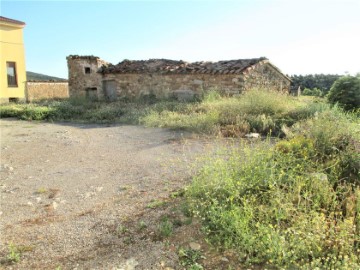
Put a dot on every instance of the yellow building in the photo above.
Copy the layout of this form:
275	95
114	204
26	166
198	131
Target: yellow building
12	60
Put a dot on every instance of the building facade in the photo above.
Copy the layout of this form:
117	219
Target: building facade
162	78
12	60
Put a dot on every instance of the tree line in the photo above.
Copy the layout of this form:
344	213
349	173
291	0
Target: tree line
319	84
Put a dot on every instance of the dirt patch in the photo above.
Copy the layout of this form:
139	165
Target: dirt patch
93	196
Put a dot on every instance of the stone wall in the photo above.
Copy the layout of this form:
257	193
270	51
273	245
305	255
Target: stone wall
85	80
46	90
163	86
83	77
266	76
262	76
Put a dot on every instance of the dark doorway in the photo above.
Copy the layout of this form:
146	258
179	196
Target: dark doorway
110	90
91	93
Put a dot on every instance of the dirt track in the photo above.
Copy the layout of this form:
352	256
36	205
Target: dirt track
67	188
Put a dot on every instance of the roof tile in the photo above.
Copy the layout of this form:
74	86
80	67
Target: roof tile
166	66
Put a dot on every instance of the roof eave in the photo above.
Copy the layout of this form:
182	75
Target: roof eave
11	22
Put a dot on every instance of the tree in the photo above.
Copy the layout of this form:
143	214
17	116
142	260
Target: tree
346	92
311	81
312	92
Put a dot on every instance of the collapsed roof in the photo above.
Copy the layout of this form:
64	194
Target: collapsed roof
181	67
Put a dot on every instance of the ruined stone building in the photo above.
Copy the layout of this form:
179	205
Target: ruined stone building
161	78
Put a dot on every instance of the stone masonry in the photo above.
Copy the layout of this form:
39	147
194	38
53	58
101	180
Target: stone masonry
46	90
84	79
92	77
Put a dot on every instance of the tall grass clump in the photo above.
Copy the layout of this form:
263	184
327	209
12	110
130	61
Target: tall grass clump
26	111
259	111
293	205
73	109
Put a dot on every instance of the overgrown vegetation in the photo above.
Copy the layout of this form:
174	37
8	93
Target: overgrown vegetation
74	109
293	205
256	111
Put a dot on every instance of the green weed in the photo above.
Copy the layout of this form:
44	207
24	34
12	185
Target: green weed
14	253
189	258
155	204
41	190
142	225
121	229
166	227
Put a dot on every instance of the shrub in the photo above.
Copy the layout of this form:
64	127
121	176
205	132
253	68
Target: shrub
277	207
11	110
294	204
336	139
312	92
346	92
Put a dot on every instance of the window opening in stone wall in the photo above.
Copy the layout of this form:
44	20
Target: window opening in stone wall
11	74
87	70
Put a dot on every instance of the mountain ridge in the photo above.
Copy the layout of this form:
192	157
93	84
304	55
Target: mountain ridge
33	76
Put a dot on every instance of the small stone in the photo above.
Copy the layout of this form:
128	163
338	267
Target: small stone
130	264
89	194
162	263
98	189
195	246
224	259
10	169
38	199
1	213
29	203
54	205
252	135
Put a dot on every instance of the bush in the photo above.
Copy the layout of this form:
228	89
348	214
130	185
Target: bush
312	92
293	205
336	138
10	110
278	207
346	92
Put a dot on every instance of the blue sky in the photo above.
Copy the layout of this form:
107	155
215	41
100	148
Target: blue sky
300	36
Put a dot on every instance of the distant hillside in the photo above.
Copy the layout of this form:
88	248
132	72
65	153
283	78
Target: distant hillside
32	76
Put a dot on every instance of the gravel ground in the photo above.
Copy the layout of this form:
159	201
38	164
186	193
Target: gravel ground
72	194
